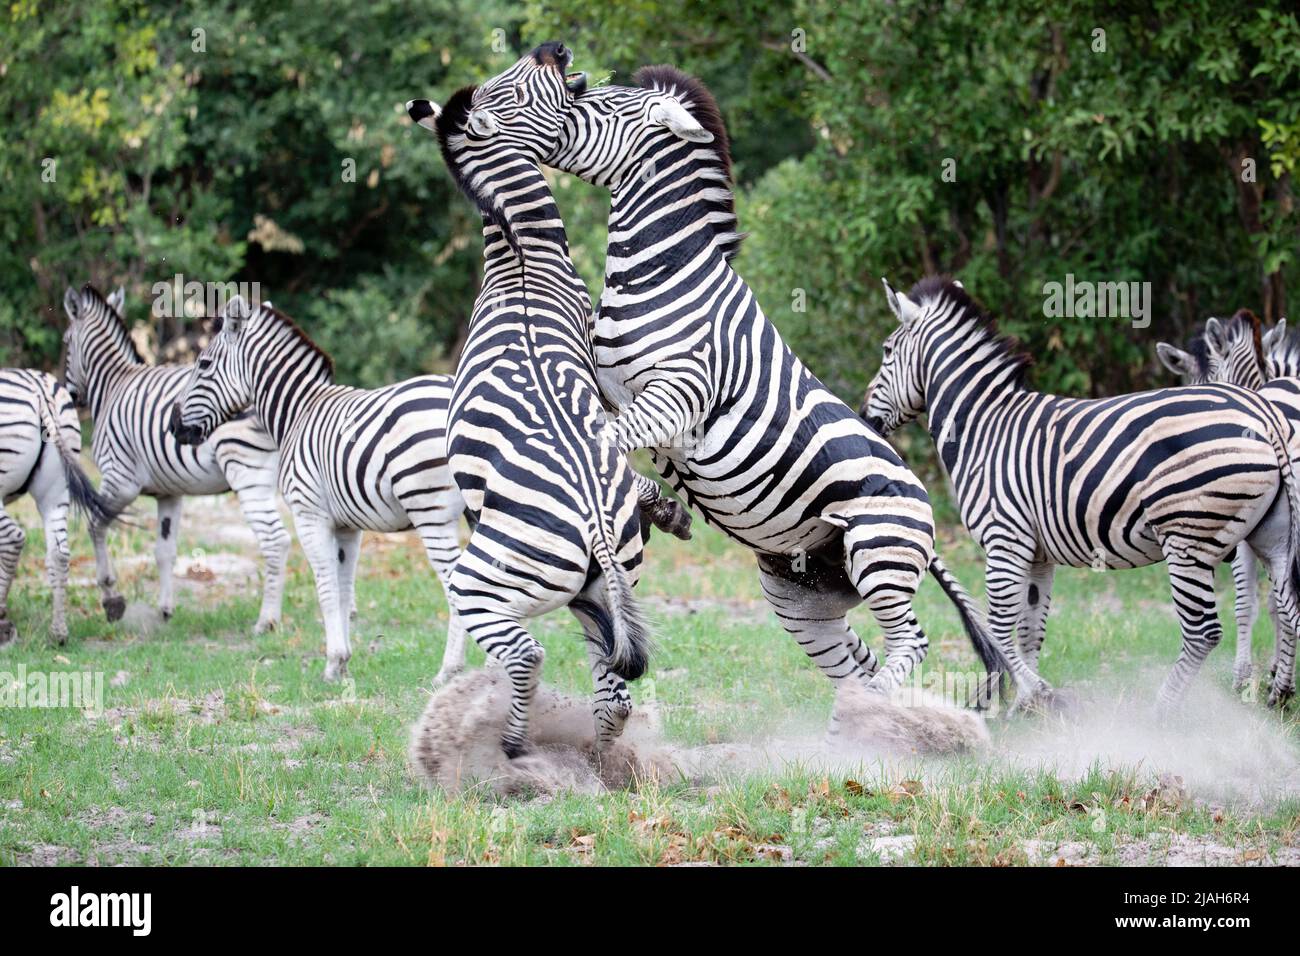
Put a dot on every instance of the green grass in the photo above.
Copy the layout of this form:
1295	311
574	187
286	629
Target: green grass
218	747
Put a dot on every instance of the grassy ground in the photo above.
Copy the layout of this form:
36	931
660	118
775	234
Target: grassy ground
215	746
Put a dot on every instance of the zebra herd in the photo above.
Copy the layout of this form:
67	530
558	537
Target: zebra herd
529	440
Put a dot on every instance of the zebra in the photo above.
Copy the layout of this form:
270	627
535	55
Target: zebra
40	444
1237	351
556	505
1178	474
130	403
351	459
733	419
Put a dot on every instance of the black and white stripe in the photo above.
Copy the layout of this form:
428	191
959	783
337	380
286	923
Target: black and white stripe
733	419
1237	351
40	441
351	459
1180	475
136	454
557	516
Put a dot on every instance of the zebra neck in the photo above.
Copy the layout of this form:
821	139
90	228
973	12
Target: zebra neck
286	373
676	219
960	402
108	360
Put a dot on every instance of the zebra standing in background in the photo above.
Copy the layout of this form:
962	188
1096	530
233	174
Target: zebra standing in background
1238	352
130	403
351	459
1179	475
557	517
732	418
40	441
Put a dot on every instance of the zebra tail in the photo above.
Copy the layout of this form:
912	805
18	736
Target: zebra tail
85	499
972	619
624	631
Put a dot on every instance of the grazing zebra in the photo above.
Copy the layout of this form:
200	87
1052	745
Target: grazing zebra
1236	351
130	403
733	420
40	440
1179	475
351	459
557	517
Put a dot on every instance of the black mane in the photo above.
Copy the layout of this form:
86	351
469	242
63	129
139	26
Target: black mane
945	287
699	102
124	332
293	327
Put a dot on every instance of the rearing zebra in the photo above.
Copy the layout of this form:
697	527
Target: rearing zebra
555	502
1237	351
351	459
733	420
40	441
131	404
1179	475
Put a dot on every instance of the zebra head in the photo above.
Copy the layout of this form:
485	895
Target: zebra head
1280	352
897	393
488	133
616	133
1230	351
92	319
219	386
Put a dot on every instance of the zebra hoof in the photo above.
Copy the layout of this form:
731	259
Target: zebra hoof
513	748
58	637
265	626
8	633
1241	680
167	612
1278	696
336	670
114	607
444	677
669	516
1037	702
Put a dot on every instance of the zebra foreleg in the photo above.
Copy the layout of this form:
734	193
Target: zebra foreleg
53	503
258	505
1245	586
663	512
317	536
12	539
164	550
1192	582
812	607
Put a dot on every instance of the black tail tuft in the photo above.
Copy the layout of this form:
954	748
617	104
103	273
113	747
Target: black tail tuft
85	499
990	654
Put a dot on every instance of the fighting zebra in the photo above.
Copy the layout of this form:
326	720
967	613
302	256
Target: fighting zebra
40	441
557	516
351	459
1237	351
130	403
732	418
1179	475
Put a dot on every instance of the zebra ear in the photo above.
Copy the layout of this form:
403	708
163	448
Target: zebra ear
424	112
1274	336
672	114
1174	359
117	299
482	123
904	309
71	303
234	315
1215	337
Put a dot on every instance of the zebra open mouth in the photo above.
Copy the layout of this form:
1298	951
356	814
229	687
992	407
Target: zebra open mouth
576	82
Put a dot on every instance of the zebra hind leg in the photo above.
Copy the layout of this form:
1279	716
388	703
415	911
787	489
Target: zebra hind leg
12	539
442	547
1269	543
1246	600
118	498
1192	581
811	598
611	701
52	501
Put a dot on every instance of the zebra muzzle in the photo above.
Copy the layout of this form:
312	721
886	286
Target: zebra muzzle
185	434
